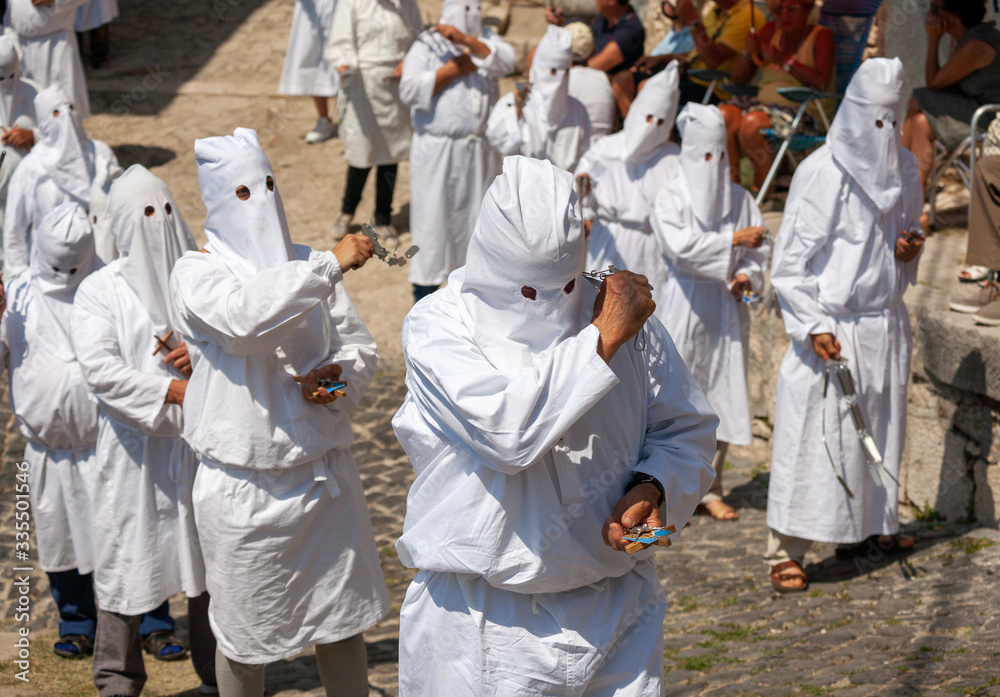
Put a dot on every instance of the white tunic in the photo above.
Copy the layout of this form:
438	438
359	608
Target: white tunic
371	37
530	135
145	540
835	271
516	474
704	319
95	13
592	88
49	52
21	113
53	409
32	194
621	206
306	72
289	548
451	164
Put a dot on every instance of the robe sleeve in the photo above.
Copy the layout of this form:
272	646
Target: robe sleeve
502	128
588	206
17	224
341	47
508	422
501	60
913	208
748	260
679	442
708	254
129	392
805	229
254	316
416	85
352	348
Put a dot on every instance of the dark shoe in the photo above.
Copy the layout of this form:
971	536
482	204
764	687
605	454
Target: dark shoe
877	546
74	646
164	647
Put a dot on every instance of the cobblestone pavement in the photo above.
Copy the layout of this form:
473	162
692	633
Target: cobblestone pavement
924	624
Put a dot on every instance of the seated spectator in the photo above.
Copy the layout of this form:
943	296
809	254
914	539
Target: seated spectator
718	39
790	52
590	86
618	35
970	78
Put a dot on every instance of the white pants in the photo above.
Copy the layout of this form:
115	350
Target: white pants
782	548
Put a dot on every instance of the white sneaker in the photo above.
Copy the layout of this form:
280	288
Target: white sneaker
341	227
387	233
325	129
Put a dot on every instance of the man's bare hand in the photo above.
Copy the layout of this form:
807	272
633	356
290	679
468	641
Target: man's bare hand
647	64
452	34
637	507
175	392
312	392
908	246
622	307
463	64
180	359
18	137
687	12
740	283
353	251
749	237
554	15
826	346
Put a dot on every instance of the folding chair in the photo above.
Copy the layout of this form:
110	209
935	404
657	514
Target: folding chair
962	158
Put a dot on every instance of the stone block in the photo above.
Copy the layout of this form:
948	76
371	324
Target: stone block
987	498
961	354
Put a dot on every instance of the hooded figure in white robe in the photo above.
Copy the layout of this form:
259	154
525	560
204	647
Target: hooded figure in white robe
626	170
145	540
523	439
306	72
17	109
49	394
836	272
49	51
552	125
698	213
63	166
451	163
370	38
289	547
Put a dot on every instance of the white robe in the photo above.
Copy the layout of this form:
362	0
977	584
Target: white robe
834	271
530	136
289	548
371	37
592	88
515	477
54	411
305	72
451	164
95	13
22	116
706	322
621	206
145	540
49	51
32	194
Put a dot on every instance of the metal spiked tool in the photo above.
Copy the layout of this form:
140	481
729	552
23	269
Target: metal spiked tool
382	253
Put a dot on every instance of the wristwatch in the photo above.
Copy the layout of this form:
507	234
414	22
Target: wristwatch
643	478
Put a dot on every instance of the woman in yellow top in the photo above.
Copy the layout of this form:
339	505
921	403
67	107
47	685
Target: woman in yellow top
791	53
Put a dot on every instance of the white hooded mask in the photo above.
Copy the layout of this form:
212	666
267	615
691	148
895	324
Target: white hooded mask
464	15
65	152
62	255
248	236
863	137
549	76
151	235
651	118
528	236
705	163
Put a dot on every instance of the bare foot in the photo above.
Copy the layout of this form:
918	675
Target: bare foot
718	510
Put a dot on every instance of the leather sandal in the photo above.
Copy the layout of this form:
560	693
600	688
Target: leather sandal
777	577
74	646
164	647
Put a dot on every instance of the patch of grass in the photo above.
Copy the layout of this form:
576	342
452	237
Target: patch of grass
926	513
971	545
842	623
727	466
771	653
703	664
815	593
845	597
728	601
892	622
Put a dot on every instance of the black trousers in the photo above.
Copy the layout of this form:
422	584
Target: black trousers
385	184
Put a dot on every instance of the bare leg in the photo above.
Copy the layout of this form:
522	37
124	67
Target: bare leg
918	138
734	116
712	504
322	108
623	86
755	146
343	667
